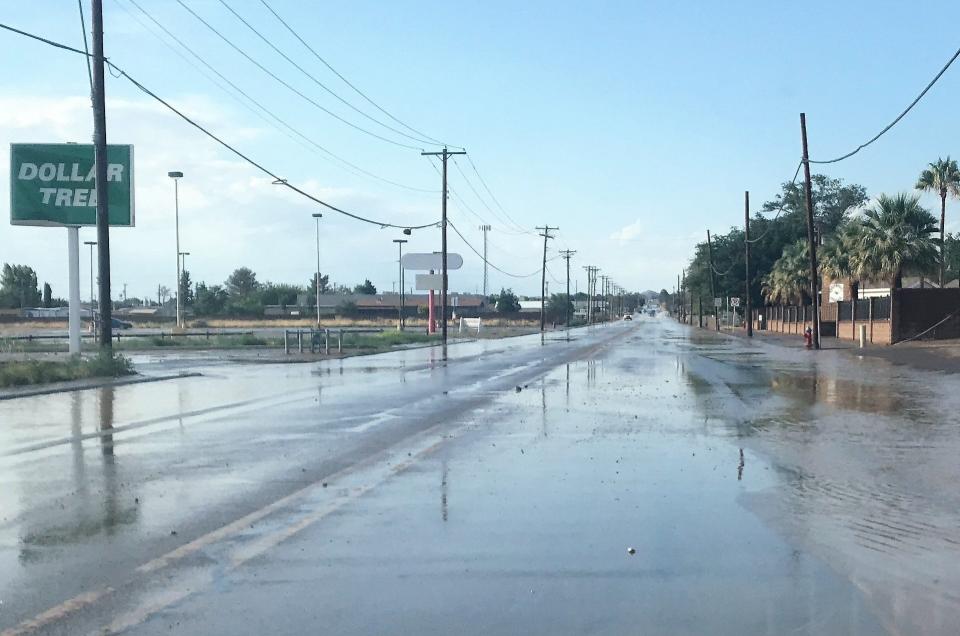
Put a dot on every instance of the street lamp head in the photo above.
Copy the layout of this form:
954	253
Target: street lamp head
176	174
317	215
407	231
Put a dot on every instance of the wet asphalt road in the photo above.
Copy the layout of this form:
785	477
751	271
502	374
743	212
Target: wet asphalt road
764	491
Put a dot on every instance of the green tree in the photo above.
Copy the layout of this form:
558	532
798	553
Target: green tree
47	295
951	249
324	284
788	282
186	289
895	236
942	177
365	288
282	294
506	301
242	283
835	256
209	301
558	306
18	286
347	308
664	297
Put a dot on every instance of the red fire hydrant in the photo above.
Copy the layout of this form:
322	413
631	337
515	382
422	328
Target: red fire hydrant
808	338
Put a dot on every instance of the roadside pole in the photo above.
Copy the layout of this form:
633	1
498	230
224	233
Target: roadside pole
713	286
543	275
317	216
73	265
100	160
808	195
748	307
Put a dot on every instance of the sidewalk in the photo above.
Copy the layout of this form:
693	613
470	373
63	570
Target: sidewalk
929	355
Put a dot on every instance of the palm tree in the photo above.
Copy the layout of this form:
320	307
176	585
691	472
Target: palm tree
836	256
789	279
893	236
942	177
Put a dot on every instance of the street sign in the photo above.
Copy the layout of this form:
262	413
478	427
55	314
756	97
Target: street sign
718	302
426	282
426	262
53	185
734	302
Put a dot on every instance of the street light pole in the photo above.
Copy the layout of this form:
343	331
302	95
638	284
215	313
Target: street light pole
176	175
317	216
91	244
400	243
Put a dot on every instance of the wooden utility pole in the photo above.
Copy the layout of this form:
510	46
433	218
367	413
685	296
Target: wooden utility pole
713	285
748	311
811	239
100	159
543	275
566	254
444	155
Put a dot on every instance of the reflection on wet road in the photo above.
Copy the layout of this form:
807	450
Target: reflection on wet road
640	478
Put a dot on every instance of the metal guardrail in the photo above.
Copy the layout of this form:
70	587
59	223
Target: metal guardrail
118	334
316	336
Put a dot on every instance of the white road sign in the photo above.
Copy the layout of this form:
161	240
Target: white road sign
734	302
429	281
426	262
718	302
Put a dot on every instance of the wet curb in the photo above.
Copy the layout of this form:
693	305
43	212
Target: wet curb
94	383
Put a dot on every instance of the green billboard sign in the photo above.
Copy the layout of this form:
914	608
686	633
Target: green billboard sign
53	185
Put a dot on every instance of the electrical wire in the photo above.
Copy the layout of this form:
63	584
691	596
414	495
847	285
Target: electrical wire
482	201
506	273
276	119
898	118
316	81
277	180
783	203
456	195
496	201
350	84
289	87
86	48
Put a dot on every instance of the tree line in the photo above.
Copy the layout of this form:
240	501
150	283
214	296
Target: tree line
880	243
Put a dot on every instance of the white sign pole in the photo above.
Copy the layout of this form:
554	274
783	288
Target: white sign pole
73	265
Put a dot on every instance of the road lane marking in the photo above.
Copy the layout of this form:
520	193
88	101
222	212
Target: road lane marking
58	612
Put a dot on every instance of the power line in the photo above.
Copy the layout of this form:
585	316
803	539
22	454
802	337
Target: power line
277	180
289	87
492	196
477	194
350	84
466	206
276	118
899	117
783	204
474	250
317	81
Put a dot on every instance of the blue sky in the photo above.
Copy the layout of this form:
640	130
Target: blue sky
634	126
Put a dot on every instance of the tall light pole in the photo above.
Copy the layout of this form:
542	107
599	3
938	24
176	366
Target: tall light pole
485	229
400	243
91	244
317	216
176	175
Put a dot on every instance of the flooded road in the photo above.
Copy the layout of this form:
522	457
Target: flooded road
638	478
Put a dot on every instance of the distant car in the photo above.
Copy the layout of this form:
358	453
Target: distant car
627	317
120	324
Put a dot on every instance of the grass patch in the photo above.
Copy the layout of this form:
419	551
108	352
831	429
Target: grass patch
196	342
26	372
384	340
